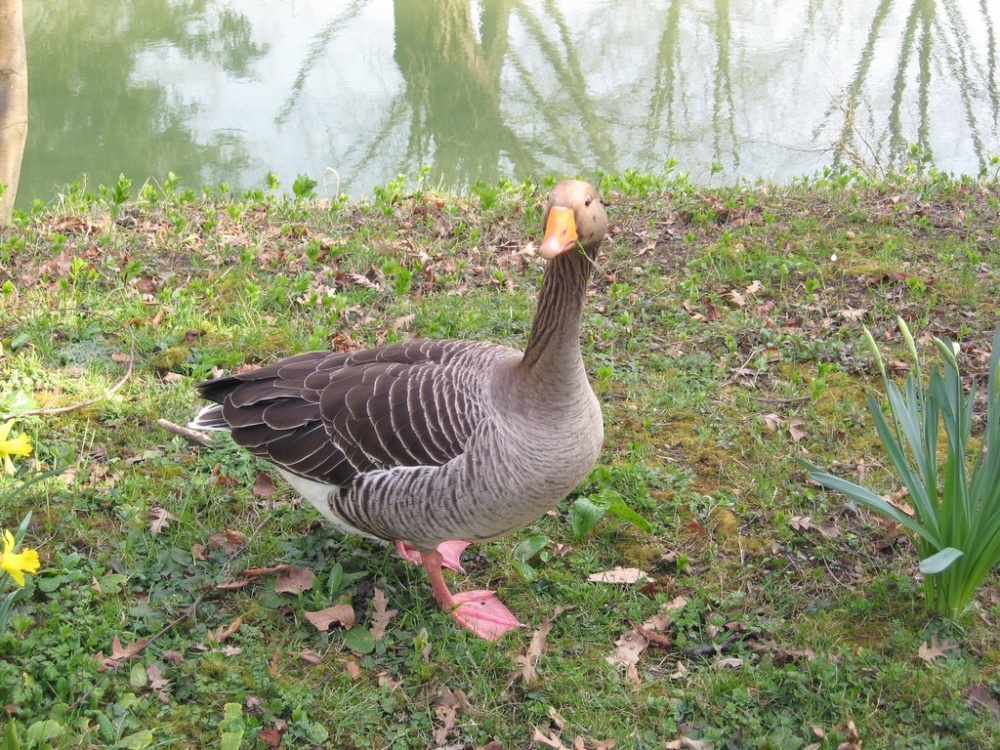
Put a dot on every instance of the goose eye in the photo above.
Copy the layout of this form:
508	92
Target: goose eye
588	202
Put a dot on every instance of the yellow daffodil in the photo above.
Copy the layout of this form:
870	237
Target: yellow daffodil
18	446
17	564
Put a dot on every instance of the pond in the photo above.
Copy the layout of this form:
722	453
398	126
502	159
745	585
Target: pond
353	93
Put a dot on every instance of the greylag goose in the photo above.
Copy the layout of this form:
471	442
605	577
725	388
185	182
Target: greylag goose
433	444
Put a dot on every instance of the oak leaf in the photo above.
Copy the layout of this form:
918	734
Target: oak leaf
294	581
342	614
931	652
159	519
620	575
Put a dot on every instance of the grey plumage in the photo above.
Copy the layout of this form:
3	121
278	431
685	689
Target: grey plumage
429	441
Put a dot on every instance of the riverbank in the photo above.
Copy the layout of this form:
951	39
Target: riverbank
723	341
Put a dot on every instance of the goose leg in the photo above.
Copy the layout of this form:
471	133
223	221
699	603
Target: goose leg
451	553
479	611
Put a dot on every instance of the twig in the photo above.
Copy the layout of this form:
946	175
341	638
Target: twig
198	437
715	648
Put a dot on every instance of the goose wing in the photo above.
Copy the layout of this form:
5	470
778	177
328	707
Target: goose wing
332	417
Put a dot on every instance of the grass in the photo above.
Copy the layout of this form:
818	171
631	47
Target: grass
724	340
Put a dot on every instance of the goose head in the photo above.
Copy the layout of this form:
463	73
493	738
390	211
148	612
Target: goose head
574	218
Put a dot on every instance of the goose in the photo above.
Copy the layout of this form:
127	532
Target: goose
435	444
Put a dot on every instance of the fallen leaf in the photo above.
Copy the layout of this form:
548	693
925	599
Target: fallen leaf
310	657
853	741
159	519
342	614
295	581
805	523
652	637
381	615
528	656
896	501
229	540
674	604
551	740
174	657
445	716
158	683
628	649
772	421
620	575
795	429
222	633
732	662
980	697
353	669
119	653
402	323
931	652
263	485
270	737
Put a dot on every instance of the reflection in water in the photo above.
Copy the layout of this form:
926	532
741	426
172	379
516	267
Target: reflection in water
355	93
88	114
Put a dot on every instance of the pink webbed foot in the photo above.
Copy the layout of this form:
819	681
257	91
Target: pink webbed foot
479	611
483	613
451	554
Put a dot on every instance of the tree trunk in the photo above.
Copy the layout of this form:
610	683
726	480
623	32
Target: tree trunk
13	102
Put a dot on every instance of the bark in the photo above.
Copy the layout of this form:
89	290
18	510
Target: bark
13	102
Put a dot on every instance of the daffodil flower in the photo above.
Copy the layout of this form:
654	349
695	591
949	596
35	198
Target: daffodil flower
18	446
17	564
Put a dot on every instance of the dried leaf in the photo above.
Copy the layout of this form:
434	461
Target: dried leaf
853	741
628	649
931	652
550	740
896	501
527	657
174	657
402	323
158	683
263	486
980	697
445	716
732	662
674	604
620	575
772	421
223	633
229	540
295	581
795	429
119	653
159	519
652	637
353	669
381	615
270	737
310	657
805	523
342	614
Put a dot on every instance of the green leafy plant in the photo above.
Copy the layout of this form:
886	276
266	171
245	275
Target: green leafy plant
956	506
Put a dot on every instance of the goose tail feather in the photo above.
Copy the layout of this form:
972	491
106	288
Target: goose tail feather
210	418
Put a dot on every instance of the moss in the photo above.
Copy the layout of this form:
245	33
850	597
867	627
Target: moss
170	358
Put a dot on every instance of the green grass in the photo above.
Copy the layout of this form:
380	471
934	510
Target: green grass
714	387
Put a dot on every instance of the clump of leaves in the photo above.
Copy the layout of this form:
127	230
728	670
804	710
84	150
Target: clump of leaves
956	506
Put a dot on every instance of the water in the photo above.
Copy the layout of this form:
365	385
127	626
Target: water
354	93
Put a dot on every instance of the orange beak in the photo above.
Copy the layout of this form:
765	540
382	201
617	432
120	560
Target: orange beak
560	233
